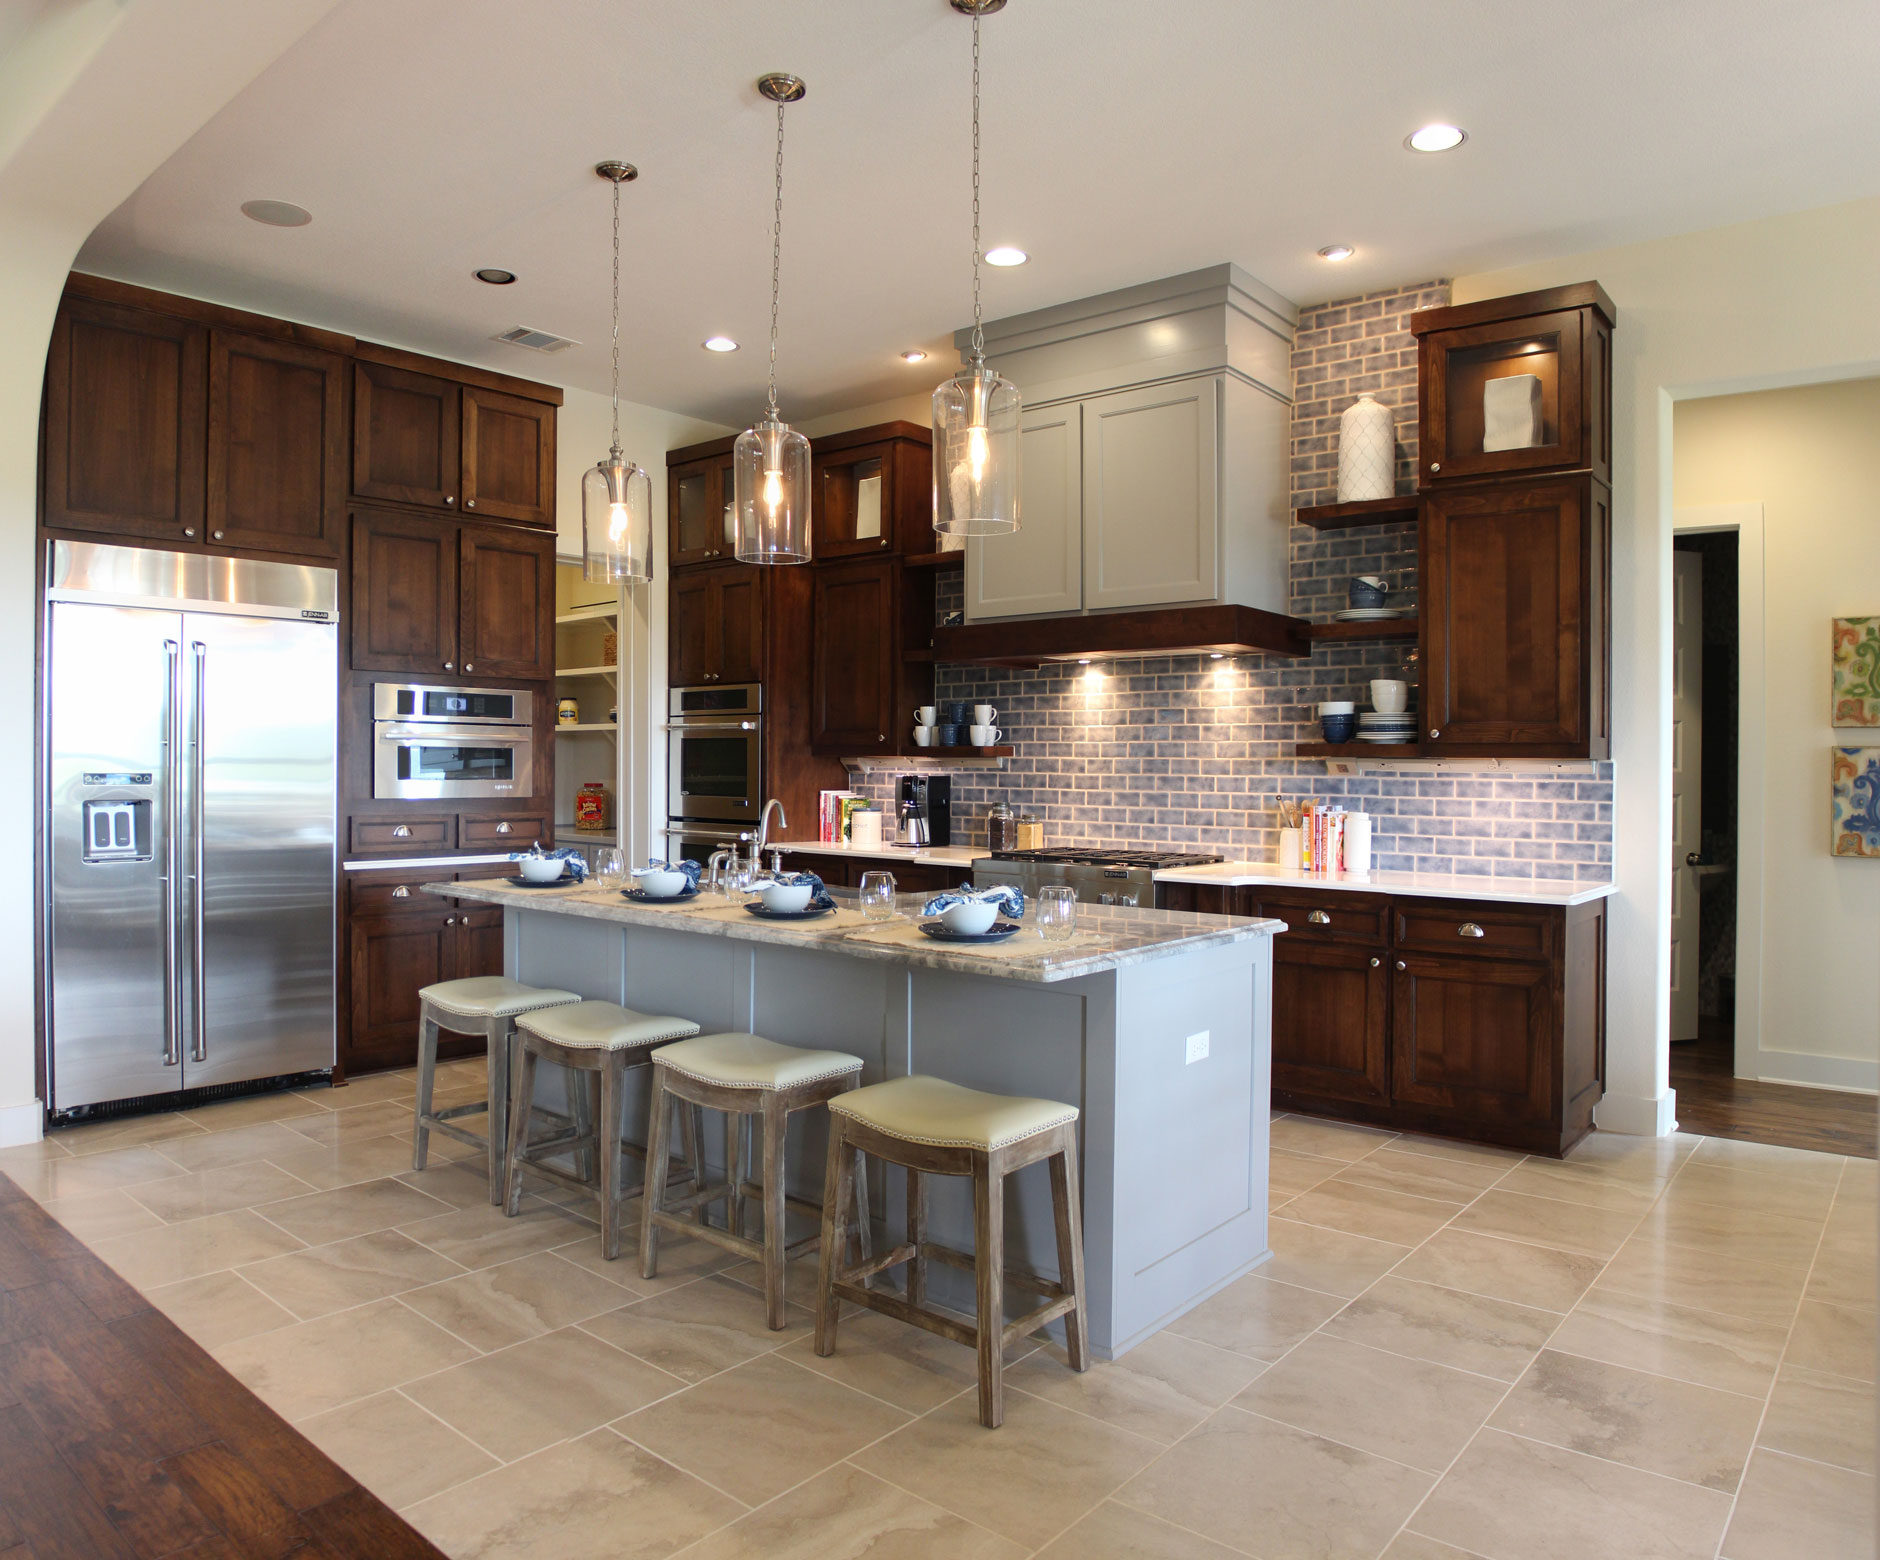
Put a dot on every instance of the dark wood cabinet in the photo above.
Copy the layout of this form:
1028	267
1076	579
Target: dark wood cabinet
508	457
1470	1040
855	658
407	436
716	626
404	594
126	404
277	446
873	492
699	497
1331	1020
1513	618
739	614
399	940
506	602
690	608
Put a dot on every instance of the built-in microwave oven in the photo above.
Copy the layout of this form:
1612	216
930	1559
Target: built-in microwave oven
432	742
715	753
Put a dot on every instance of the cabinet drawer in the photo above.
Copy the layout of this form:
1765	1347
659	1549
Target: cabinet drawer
403	836
393	893
507	833
1330	917
1473	930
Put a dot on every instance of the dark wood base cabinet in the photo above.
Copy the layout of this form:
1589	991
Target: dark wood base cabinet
1462	1019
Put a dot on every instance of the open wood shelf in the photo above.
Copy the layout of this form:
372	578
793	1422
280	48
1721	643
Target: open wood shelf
588	725
1370	511
1357	750
936	560
585	671
1376	629
914	751
598	614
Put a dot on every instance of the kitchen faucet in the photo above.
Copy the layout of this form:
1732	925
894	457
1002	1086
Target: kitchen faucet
763	827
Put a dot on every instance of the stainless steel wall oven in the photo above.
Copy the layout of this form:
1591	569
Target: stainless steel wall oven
715	750
433	742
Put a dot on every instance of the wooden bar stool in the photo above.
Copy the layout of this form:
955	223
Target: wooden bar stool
595	1041
486	1005
743	1076
930	1127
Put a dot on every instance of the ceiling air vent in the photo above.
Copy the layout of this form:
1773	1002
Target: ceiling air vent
535	340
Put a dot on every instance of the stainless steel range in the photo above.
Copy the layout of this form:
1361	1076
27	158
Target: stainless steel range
1099	874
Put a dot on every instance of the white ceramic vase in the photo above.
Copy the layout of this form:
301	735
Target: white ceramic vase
1367	451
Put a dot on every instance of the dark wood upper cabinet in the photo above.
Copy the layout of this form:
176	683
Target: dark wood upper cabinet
508	457
506	623
690	631
699	496
855	658
407	436
1514	593
404	594
1555	348
716	626
740	636
277	446
126	401
872	492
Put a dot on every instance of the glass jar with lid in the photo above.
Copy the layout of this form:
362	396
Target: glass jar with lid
1001	828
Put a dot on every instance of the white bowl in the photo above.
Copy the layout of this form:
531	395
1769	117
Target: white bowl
542	869
1338	707
658	884
976	915
783	898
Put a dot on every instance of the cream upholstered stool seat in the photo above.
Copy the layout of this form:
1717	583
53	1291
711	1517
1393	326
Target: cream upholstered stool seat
931	1127
750	1079
595	1041
486	1005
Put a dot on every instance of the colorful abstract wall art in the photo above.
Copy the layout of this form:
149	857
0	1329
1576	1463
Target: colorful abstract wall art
1854	800
1857	671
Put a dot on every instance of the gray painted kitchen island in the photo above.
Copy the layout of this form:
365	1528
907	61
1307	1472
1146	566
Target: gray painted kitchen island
1174	1149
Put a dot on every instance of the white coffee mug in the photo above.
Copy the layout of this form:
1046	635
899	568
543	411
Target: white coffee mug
1390	698
925	714
984	736
923	736
984	714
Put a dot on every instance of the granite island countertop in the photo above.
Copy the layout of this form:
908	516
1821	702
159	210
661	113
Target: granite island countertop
1125	935
1266	874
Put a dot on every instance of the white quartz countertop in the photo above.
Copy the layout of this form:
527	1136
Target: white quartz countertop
1265	874
937	855
1123	935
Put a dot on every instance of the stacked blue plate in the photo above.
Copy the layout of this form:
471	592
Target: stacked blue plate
1374	727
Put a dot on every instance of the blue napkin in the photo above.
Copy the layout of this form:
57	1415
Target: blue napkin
1010	900
575	871
819	896
689	868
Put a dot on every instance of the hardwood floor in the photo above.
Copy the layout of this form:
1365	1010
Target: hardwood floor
121	1439
1715	1103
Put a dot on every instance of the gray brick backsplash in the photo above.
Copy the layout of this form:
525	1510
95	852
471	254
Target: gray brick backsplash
1189	753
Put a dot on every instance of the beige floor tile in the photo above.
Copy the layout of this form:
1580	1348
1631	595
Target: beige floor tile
1733	1186
1788	1508
1770	1158
1860	1183
1371	1212
1522	1500
1537	1276
845	1514
216	1191
1118	1532
1844	1277
1446	1327
1683	1431
1825	1418
1452	1148
681	1261
219	1308
1651	1158
1590	1186
1329	1260
598	1496
356	1123
178	1251
315	1366
1408	1410
394	1448
81	1175
100	1215
1835	1339
1546	1221
1326	1139
756	1430
1414	1546
1706	1347
225	1115
346	1211
1739	1233
99	1137
907	1366
547	1389
1258	1317
699	1330
347	1164
1161	1389
799	1276
1292	1174
1426	1175
497	1306
1679	1275
31	1153
346	1273
370	1090
1309	1496
1852	1227
462	1183
481	1236
238	1146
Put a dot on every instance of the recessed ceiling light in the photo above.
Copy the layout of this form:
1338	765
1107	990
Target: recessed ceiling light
1336	252
915	356
495	275
1436	138
719	344
1006	254
277	213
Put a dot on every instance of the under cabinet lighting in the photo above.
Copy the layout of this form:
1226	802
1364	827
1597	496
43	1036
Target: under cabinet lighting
1436	138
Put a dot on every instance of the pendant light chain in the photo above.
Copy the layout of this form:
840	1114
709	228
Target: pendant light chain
776	256
616	446
979	339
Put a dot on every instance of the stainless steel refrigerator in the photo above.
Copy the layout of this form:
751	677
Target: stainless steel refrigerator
191	783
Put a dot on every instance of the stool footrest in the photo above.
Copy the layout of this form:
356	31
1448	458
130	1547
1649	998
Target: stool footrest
456	1133
881	1264
1031	1321
474	1108
890	1304
1015	1273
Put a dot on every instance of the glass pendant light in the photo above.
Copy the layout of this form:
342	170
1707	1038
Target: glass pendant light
770	461
616	494
975	413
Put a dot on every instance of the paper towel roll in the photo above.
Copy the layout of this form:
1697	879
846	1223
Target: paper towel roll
1357	844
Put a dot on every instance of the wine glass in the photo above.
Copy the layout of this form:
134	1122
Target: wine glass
610	867
1056	915
877	896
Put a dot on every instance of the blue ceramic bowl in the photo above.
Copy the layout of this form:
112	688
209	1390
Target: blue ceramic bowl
1363	595
1338	728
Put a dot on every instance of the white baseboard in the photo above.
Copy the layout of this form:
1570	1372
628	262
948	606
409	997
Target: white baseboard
1850	1074
1638	1116
20	1124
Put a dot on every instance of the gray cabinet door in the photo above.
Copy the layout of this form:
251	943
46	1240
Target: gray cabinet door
1151	495
1036	569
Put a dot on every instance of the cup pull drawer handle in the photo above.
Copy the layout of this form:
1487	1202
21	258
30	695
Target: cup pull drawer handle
401	892
1319	918
402	832
1470	929
503	827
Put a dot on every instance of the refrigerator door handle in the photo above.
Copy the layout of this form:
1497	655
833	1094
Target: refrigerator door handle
199	1051
172	865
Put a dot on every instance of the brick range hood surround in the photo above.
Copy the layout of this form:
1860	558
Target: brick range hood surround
1189	752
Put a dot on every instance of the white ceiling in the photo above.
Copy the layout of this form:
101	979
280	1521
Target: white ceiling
1122	142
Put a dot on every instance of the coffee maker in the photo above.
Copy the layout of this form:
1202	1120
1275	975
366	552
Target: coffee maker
926	810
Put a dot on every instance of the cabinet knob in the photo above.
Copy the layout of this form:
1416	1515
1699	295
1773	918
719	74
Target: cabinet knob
469	666
469	503
1435	732
881	736
1470	929
401	892
1319	918
503	827
1375	961
189	530
218	536
402	832
1436	465
884	541
450	498
450	666
1401	965
450	920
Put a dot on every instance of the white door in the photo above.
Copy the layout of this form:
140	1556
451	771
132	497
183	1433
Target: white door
1152	495
1037	568
1687	792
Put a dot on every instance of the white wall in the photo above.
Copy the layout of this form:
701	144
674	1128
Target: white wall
1811	456
1785	301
